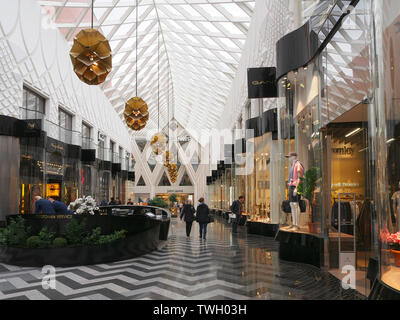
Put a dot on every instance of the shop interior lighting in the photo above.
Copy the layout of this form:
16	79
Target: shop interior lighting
350	134
391	140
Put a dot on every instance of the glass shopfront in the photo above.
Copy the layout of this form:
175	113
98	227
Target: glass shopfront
258	192
387	20
326	108
300	134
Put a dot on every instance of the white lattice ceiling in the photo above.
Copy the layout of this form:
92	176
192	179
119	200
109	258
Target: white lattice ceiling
201	44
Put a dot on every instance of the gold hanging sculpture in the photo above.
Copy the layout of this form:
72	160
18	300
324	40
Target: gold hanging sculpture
158	143
136	113
91	56
171	167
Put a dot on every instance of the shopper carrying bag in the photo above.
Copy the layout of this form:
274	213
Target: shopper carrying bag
236	209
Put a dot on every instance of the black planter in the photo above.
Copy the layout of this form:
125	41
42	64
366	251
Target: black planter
262	229
144	235
130	247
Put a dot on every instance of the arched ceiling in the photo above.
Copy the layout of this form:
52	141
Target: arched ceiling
201	42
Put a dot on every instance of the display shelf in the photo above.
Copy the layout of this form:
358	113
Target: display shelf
300	247
262	228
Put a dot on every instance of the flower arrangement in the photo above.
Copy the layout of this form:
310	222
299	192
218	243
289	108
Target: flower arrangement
391	239
85	205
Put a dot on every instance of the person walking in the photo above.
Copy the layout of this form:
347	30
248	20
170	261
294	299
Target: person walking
203	218
236	209
187	213
181	207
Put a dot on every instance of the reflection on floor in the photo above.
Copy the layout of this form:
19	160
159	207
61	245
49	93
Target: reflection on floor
222	267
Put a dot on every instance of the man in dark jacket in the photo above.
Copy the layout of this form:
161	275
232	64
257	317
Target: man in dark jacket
236	208
203	218
59	207
188	215
44	206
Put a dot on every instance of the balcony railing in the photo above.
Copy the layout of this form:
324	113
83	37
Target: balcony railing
104	154
88	143
62	134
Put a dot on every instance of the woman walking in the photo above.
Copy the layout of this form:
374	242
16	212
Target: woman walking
188	214
203	218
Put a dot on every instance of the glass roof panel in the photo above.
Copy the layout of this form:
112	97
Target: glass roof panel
200	47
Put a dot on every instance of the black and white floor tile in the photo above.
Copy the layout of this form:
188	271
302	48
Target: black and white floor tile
224	266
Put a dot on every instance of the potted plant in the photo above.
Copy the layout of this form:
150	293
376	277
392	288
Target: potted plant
385	250
394	243
173	198
306	189
158	202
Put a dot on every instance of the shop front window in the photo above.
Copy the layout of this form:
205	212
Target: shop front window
301	139
86	136
33	105
388	140
65	126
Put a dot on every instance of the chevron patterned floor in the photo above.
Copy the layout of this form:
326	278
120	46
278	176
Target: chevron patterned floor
224	267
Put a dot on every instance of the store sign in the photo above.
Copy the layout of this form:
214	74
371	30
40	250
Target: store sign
262	83
344	151
184	138
174	191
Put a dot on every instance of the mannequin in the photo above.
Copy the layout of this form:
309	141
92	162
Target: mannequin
396	208
296	172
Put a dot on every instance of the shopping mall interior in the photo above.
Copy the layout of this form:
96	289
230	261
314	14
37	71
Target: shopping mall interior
199	150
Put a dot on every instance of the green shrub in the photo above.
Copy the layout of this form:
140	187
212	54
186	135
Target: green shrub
158	202
3	237
93	238
34	242
16	233
112	237
60	242
173	198
75	231
46	237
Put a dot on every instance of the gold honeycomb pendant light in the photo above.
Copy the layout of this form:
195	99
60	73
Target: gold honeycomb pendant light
136	113
91	55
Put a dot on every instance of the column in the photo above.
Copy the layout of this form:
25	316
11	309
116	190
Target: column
9	176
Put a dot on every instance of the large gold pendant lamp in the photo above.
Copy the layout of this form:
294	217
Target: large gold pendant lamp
91	56
158	141
136	111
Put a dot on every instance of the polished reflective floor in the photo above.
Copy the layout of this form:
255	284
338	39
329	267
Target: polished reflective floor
224	266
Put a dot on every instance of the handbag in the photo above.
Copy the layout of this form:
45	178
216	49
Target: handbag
286	206
232	215
210	219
